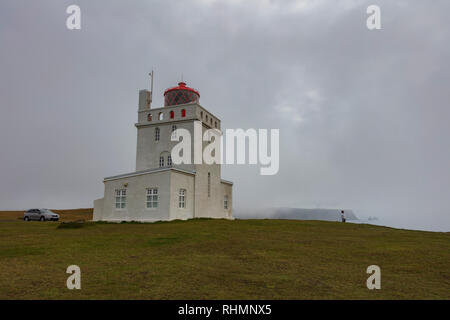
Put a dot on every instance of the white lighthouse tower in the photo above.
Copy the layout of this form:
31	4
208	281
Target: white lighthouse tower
158	189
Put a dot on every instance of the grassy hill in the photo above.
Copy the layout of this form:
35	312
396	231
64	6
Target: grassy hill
219	259
65	214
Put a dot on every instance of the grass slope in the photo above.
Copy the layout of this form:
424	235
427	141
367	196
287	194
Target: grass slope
219	259
65	214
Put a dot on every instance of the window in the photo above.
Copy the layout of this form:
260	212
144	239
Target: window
157	134
183	113
182	199
211	122
149	117
172	114
215	124
152	198
121	198
206	118
225	202
209	184
161	116
161	161
174	134
169	160
201	115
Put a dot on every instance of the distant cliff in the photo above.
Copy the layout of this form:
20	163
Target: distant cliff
296	214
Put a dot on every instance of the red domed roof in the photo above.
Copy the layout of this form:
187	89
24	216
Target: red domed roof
182	86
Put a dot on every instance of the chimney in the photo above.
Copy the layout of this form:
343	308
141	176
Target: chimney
145	99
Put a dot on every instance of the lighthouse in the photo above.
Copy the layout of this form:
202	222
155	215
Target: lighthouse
159	189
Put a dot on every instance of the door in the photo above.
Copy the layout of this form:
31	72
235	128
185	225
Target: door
36	214
29	214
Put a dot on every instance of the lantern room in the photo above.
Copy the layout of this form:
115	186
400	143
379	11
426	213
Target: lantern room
180	95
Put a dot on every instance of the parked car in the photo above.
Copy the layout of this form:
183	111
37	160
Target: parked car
40	215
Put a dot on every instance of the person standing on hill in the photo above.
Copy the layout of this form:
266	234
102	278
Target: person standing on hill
342	216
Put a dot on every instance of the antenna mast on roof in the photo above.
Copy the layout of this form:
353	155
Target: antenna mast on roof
151	83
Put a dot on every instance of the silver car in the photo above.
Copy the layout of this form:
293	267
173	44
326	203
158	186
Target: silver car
40	215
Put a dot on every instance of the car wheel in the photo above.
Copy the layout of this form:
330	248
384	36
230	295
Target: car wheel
26	219
42	219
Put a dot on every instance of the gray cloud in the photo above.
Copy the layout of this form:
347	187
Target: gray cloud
363	115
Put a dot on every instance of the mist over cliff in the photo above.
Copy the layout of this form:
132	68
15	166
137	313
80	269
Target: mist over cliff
295	214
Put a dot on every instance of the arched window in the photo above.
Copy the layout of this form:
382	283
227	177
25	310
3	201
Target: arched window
183	113
169	160
206	118
201	115
157	134
211	122
161	161
215	124
172	114
149	117
161	116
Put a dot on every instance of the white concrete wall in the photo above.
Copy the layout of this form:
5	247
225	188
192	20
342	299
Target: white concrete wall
179	181
98	210
227	189
208	206
136	198
148	150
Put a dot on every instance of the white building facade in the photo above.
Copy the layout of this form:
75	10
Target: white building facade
158	189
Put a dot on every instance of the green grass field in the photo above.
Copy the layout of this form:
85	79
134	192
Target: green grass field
220	259
65	215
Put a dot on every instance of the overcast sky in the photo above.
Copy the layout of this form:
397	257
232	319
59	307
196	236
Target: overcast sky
363	115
